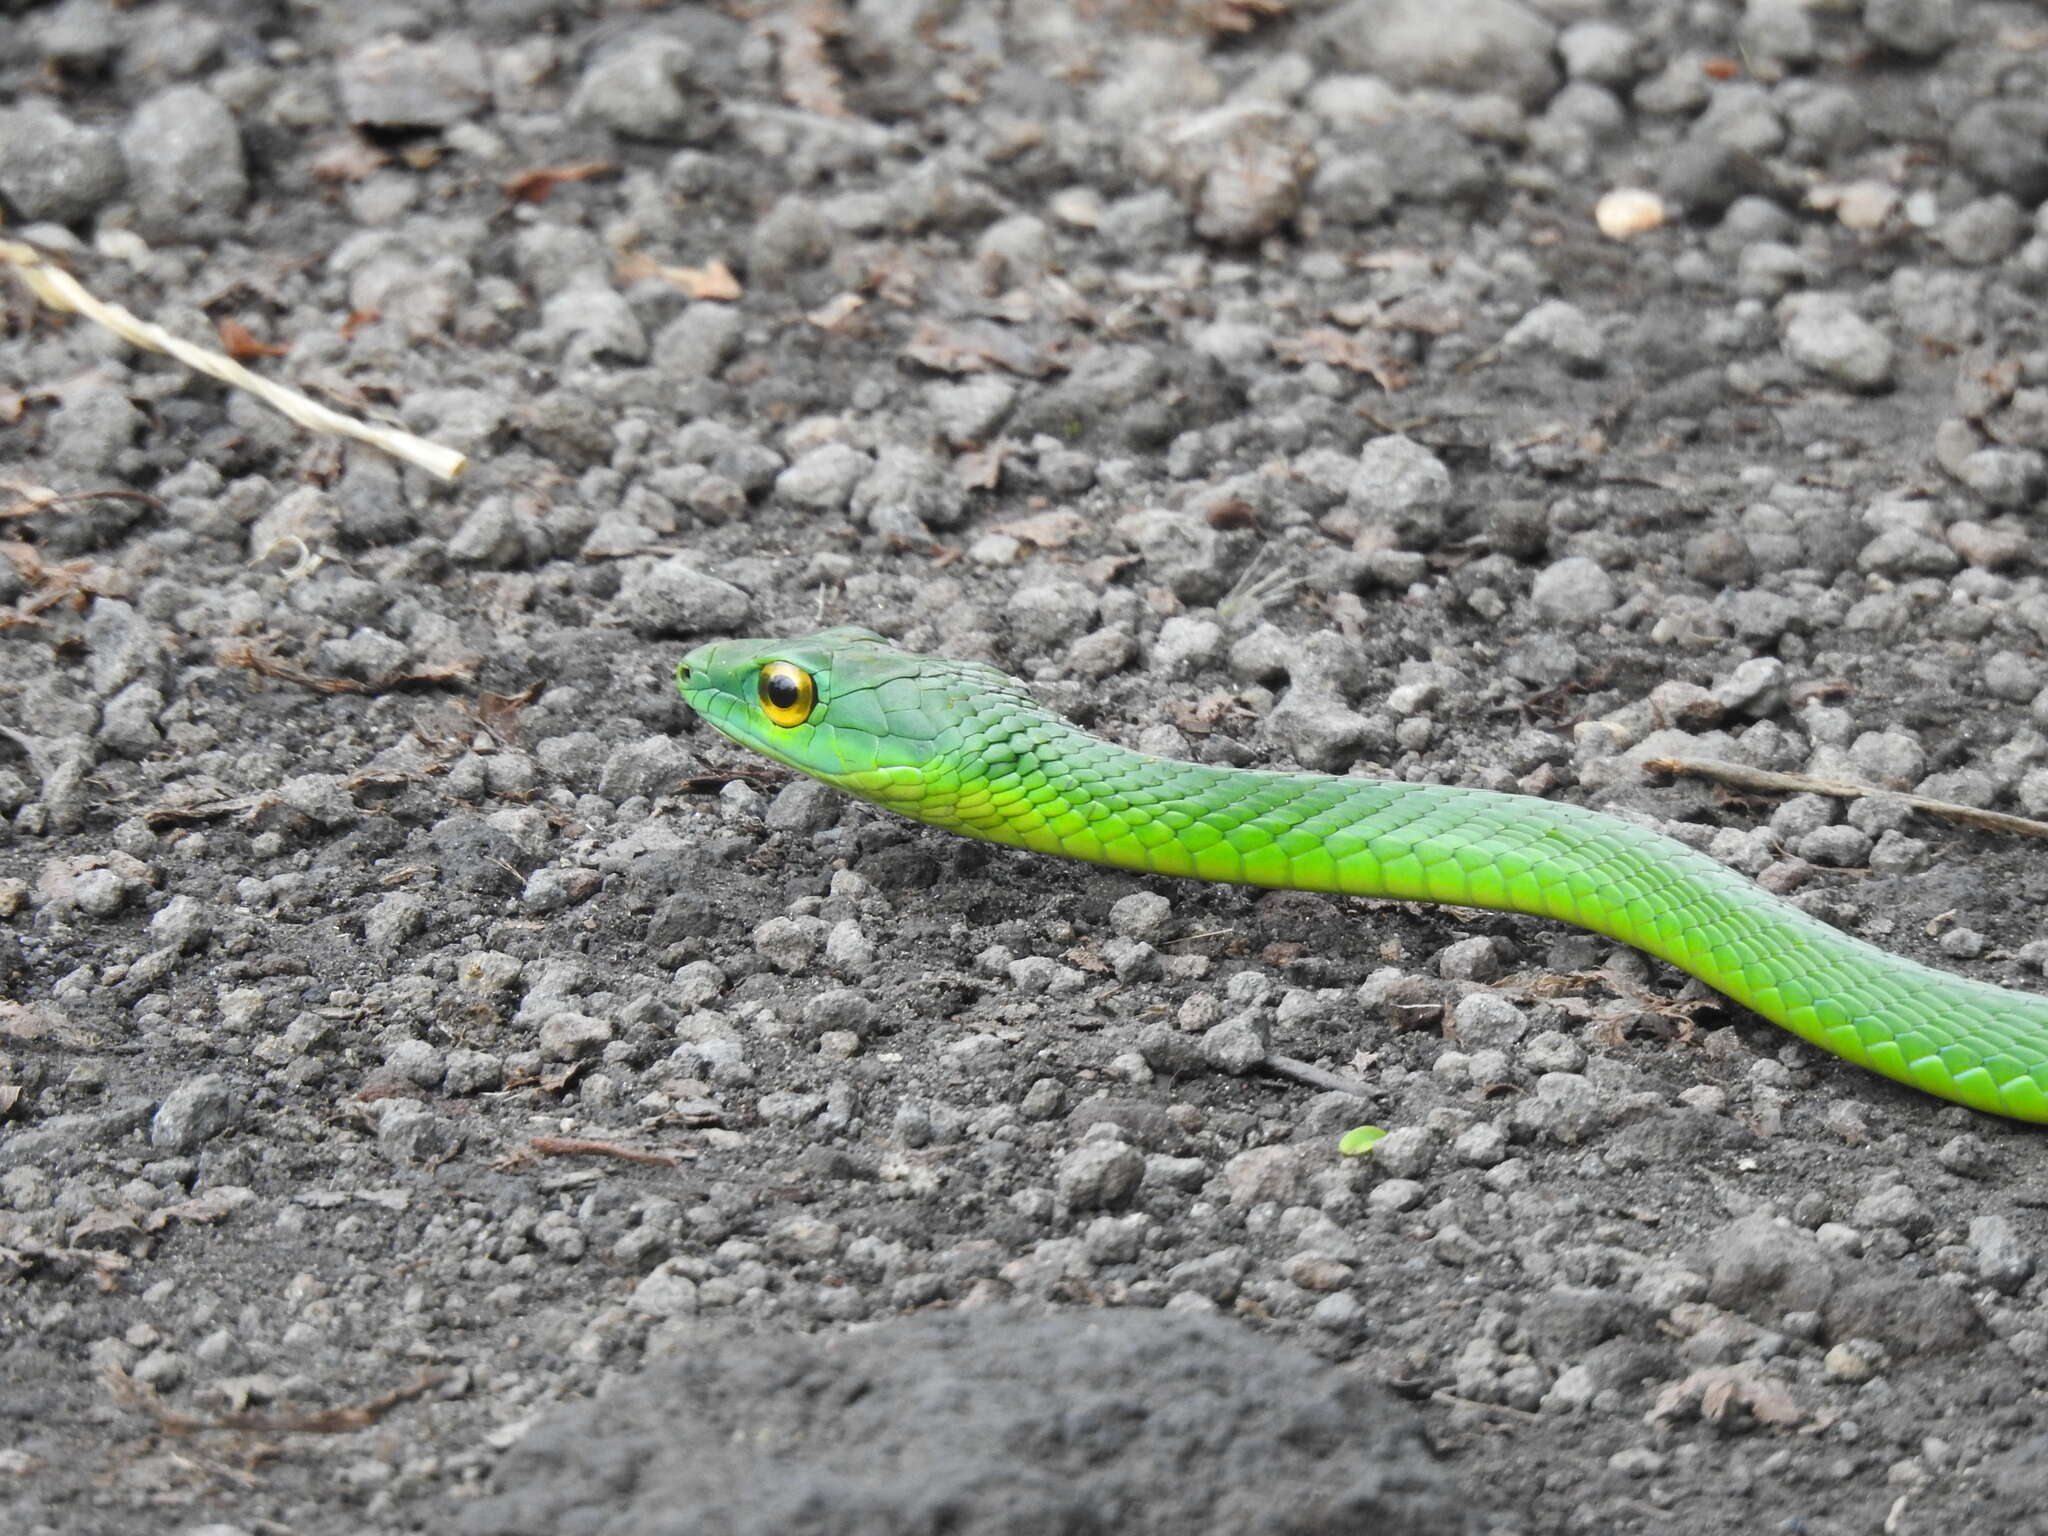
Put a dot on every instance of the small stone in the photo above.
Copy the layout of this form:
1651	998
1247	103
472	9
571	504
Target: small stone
1562	333
1574	590
1405	1152
52	168
193	1113
2003	1262
185	166
642	87
1403	484
664	599
1143	915
1487	1021
572	1036
2004	144
1099	1175
1853	1361
1920	29
1824	332
1235	1046
1264	1175
824	479
398	83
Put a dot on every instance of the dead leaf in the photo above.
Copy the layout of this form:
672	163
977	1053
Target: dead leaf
1048	530
10	1095
583	1146
498	713
711	281
834	313
348	158
982	469
534	186
1720	1394
803	34
975	348
238	343
1359	354
101	1227
248	658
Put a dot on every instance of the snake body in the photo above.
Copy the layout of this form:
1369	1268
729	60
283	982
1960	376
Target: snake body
963	747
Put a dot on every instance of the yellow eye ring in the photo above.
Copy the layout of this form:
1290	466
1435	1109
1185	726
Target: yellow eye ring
787	694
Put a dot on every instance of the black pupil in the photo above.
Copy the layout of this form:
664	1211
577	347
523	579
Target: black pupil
782	690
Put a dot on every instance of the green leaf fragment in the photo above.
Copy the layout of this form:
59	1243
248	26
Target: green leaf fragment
1360	1140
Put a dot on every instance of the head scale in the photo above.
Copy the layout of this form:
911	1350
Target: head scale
843	705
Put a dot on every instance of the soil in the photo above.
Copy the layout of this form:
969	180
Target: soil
444	1086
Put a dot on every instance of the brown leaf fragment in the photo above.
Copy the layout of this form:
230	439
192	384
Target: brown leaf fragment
249	658
348	157
1048	530
534	186
803	33
976	348
237	341
583	1146
714	280
498	713
1723	1395
1359	354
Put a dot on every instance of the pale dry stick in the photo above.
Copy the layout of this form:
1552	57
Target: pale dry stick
1736	776
61	291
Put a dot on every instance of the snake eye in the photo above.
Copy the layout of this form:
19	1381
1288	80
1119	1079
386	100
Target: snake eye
787	694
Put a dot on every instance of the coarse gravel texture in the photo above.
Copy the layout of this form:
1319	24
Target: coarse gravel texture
435	1072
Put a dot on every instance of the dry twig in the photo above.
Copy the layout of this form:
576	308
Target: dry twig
1736	776
61	291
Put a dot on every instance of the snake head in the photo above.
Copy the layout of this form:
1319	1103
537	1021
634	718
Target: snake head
844	706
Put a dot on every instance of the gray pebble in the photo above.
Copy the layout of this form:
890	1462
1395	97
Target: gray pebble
1562	333
1050	612
1406	1152
1475	959
1574	590
394	919
642	87
1484	1145
2004	144
1099	1175
1896	1206
193	1113
1316	729
566	1036
1487	1021
1403	484
670	597
1920	29
1889	759
2003	1262
471	1071
789	943
52	168
184	157
1264	1175
1468	46
824	479
1187	645
1143	915
1823	332
652	766
1837	847
695	345
1983	231
1235	1046
396	82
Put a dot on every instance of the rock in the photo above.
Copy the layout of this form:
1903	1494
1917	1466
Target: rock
1240	168
1562	333
1823	332
399	83
185	164
1099	1175
958	1421
667	598
1574	590
1765	1268
642	87
1920	29
193	1113
52	168
2004	144
1400	483
1472	46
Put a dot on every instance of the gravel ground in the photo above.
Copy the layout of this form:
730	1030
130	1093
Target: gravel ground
416	1026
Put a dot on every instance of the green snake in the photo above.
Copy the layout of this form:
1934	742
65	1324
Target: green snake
962	747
